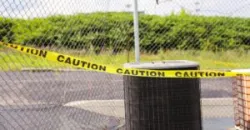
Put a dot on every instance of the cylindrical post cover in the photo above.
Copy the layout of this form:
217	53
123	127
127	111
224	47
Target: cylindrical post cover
162	103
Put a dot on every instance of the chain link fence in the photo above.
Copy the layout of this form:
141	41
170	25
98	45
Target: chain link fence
38	94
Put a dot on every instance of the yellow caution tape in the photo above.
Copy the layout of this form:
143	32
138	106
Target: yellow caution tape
80	63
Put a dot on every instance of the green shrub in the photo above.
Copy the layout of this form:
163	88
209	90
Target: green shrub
6	32
114	31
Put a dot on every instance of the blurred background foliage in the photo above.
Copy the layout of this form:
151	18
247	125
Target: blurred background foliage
100	32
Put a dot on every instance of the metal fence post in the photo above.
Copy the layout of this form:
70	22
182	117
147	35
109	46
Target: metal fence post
136	32
162	103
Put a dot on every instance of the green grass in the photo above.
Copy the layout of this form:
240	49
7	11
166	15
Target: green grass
11	60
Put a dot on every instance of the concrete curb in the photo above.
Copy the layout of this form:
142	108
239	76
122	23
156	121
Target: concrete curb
217	102
204	102
211	108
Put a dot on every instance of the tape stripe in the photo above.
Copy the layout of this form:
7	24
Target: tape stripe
81	63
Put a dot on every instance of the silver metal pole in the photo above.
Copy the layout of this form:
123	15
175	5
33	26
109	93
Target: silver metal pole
136	32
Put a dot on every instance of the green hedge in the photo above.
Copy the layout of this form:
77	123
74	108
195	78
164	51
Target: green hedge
6	31
114	31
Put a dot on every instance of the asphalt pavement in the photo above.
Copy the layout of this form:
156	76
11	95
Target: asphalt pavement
36	100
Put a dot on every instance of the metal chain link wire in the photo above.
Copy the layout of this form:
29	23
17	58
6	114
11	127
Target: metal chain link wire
34	96
213	33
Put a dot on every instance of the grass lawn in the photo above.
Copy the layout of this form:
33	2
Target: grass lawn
12	60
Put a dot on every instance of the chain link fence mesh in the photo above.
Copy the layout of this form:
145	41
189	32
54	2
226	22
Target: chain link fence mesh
38	94
212	33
